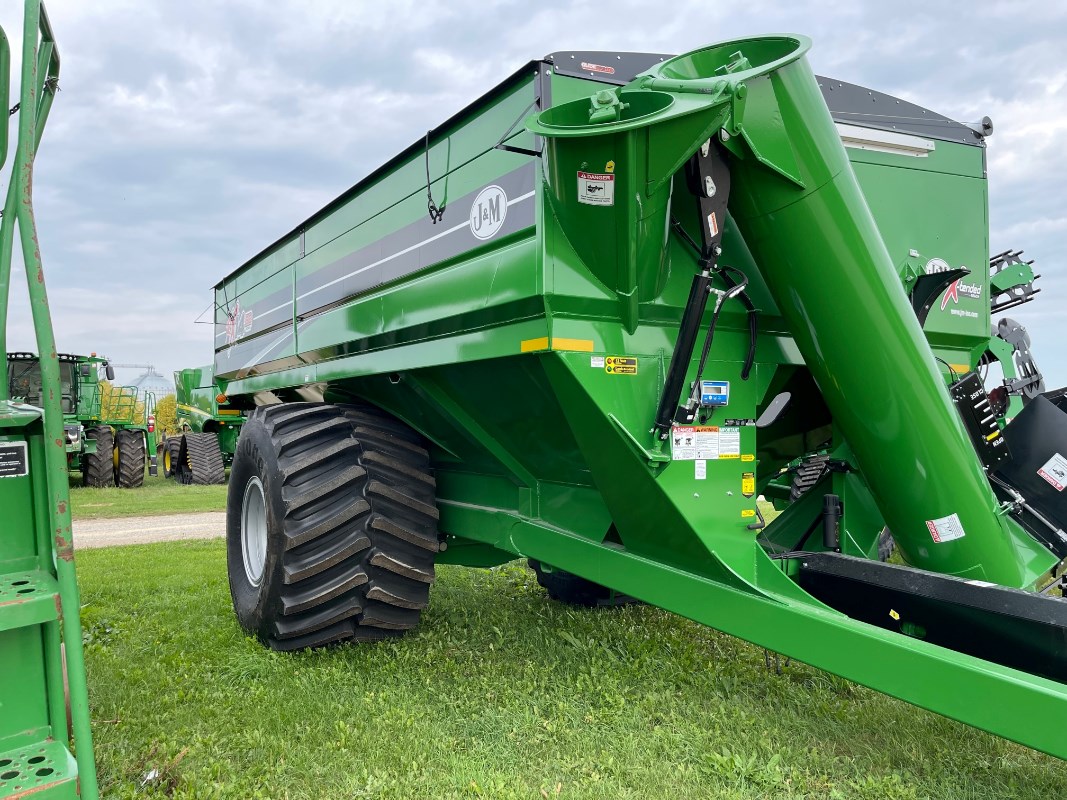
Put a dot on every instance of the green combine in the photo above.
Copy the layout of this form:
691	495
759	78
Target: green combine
108	433
46	747
594	316
207	430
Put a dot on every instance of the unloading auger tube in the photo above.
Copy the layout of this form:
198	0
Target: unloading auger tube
796	202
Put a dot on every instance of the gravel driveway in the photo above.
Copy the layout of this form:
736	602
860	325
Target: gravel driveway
144	530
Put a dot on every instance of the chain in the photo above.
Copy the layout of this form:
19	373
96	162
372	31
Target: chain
436	214
51	84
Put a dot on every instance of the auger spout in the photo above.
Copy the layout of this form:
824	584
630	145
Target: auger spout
798	206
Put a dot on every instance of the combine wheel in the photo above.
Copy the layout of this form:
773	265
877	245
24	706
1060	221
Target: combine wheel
331	527
200	460
168	453
98	469
129	458
569	588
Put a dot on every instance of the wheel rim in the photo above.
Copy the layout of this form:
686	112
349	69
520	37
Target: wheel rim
254	531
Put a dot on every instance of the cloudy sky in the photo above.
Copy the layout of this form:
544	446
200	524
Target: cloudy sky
189	135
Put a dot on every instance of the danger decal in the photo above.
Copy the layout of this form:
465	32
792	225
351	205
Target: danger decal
1055	472
596	188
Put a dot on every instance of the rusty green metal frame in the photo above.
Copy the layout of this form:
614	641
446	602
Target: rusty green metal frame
39	82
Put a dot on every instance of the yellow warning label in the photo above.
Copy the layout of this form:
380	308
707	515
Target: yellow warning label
748	483
609	167
620	365
748	512
894	614
748	457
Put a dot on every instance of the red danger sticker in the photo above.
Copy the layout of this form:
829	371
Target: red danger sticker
596	189
598	68
1055	472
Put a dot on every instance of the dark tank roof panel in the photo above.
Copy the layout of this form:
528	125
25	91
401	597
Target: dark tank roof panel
848	103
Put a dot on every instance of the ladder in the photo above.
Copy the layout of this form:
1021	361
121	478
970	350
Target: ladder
41	754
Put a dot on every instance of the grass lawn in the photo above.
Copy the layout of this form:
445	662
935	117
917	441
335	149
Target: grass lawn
500	693
158	496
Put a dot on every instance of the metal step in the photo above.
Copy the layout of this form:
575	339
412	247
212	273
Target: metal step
27	598
43	770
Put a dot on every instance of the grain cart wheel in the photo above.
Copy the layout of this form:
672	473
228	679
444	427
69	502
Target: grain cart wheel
98	469
171	451
568	588
129	458
331	527
200	460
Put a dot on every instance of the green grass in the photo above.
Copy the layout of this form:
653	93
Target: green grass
500	693
158	496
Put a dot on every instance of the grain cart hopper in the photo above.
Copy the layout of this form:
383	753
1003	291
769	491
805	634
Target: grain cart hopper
644	287
109	430
41	755
207	430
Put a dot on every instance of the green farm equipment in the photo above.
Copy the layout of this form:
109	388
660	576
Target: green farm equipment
647	291
42	755
207	430
108	433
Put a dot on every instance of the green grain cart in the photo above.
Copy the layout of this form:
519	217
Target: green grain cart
108	433
46	748
207	430
595	315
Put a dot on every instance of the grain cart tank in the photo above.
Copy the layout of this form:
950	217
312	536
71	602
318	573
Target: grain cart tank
592	317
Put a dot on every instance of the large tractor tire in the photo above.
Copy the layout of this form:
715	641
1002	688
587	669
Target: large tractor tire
98	469
567	587
331	526
200	460
168	453
129	459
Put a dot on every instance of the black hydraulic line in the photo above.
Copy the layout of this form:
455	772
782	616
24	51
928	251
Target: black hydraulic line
736	290
753	328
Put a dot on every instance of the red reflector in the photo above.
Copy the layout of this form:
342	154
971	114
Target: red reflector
151	423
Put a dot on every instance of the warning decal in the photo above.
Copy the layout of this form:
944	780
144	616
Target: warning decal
729	443
620	365
713	224
692	442
1055	472
748	483
945	529
13	461
596	188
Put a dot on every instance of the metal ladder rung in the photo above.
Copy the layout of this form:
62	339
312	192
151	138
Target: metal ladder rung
44	770
27	598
